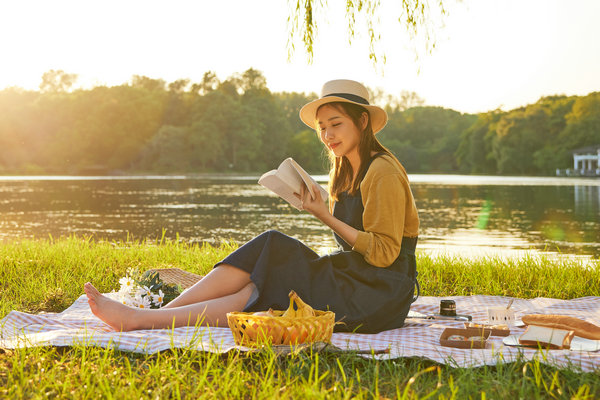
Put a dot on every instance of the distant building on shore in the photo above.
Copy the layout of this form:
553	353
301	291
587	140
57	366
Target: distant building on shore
586	162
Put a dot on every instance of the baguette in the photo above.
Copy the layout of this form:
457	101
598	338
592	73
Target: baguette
581	328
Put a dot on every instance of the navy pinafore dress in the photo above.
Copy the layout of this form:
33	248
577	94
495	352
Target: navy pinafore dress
365	298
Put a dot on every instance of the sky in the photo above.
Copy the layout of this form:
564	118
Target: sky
489	54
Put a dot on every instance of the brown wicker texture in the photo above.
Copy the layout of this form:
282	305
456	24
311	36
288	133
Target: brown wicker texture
255	330
177	276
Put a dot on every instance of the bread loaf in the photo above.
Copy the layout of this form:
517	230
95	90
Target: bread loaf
581	328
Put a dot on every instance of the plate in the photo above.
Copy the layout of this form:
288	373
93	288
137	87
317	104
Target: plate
577	344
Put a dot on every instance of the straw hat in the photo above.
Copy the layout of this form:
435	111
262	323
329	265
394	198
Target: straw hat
346	91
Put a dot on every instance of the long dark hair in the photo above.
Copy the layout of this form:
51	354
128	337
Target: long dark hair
340	172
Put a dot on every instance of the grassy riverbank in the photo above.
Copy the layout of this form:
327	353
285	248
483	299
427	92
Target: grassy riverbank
49	275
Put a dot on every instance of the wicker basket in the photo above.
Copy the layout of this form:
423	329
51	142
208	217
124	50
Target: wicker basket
254	330
177	276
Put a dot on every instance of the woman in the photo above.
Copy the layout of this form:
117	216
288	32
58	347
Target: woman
369	282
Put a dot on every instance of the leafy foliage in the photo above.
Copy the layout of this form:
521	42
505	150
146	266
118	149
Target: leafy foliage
239	125
417	18
531	140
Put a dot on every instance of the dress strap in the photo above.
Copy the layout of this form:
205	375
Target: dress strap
418	287
409	244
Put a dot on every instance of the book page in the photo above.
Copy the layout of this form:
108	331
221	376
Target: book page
273	181
288	173
288	179
308	180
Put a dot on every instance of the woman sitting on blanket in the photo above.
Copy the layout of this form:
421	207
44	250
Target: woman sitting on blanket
368	282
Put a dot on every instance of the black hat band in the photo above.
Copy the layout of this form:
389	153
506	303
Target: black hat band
351	97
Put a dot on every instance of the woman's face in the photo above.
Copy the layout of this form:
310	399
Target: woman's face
337	131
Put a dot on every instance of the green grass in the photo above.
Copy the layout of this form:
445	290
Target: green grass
48	275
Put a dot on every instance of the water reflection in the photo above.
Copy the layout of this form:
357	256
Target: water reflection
473	215
587	200
545	217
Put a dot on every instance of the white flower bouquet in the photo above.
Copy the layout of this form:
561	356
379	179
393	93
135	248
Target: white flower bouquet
145	290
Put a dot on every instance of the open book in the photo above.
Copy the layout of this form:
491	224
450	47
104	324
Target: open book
287	179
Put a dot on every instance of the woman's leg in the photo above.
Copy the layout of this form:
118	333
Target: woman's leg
220	281
123	318
226	279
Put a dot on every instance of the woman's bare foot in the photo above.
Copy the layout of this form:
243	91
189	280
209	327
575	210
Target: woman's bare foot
119	316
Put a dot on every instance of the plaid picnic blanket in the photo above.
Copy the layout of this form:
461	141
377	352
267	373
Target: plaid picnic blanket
418	338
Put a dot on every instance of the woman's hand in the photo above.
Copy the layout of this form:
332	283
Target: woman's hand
319	209
316	206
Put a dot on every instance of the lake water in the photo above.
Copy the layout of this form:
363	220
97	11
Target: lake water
484	215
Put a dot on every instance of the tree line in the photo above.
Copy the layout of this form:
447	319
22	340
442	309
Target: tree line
238	125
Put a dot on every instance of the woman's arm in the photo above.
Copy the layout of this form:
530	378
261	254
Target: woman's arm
387	201
319	209
385	205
